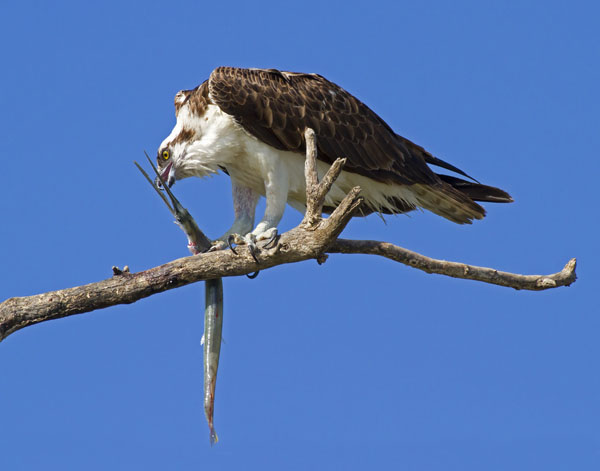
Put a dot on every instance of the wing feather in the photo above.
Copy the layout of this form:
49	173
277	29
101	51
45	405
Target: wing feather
278	106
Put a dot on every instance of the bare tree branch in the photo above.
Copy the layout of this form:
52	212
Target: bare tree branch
312	239
125	288
457	270
315	191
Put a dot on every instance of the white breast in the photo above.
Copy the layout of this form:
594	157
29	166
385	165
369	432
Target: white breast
250	162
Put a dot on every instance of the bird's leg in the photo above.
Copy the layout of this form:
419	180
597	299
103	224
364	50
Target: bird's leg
276	192
244	207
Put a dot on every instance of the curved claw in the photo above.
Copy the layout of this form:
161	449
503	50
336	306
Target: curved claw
253	250
217	245
274	238
249	240
253	275
230	241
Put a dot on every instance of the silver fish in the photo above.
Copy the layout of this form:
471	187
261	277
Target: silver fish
213	326
213	313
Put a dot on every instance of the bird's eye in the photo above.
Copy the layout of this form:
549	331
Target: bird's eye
165	154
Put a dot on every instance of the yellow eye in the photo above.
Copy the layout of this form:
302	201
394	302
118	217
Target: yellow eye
165	154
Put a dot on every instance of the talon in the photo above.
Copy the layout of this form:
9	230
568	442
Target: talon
253	249
230	241
217	245
253	275
274	238
249	240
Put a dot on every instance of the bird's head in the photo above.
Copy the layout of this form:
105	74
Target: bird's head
171	157
180	155
165	168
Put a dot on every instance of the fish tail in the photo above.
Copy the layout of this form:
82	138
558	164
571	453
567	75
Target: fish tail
213	436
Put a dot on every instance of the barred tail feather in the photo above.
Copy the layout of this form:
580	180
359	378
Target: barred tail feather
450	197
445	201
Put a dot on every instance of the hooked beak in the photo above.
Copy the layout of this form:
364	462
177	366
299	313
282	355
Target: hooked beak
167	176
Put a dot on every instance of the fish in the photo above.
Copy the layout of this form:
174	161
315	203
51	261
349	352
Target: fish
213	311
213	327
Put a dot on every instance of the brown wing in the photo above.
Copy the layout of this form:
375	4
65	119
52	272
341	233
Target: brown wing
277	107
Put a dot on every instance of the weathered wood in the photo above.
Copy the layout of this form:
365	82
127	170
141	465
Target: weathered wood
312	239
294	246
457	270
317	191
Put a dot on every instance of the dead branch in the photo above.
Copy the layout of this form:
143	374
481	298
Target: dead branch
312	239
315	191
457	270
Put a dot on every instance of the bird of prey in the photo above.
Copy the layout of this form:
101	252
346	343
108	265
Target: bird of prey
250	124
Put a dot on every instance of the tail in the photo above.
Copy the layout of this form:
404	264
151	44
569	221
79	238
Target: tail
213	436
443	200
454	198
449	197
477	191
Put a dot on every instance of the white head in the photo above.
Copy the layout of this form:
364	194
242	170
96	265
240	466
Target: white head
179	156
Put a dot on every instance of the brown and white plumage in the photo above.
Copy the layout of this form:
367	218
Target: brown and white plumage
250	123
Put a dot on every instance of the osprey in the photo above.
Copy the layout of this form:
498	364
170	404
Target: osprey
250	124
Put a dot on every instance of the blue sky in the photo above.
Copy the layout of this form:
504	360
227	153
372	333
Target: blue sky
357	364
